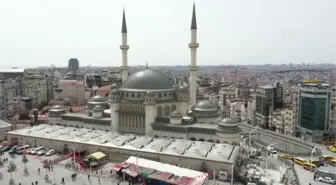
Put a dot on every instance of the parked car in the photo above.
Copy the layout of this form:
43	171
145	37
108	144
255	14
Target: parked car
42	152
50	152
327	180
34	151
5	148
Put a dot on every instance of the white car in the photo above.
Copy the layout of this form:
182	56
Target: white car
326	180
50	152
41	152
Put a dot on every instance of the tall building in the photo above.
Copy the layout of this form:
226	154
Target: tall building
314	111
267	99
73	65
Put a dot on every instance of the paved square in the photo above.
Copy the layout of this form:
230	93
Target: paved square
59	171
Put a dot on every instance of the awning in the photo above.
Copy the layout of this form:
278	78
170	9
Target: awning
98	155
117	167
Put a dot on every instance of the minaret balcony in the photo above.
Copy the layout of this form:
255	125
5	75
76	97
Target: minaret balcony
193	68
124	47
193	45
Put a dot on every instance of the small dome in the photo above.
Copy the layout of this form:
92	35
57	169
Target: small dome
229	121
98	99
150	94
114	86
115	92
98	108
176	113
183	89
57	108
206	105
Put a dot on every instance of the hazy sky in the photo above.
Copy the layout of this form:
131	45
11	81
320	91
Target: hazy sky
42	32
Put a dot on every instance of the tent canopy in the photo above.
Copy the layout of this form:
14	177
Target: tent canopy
98	155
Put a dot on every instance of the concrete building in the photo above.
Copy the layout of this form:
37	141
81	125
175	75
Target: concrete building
268	99
314	111
11	91
4	128
35	87
72	89
73	65
283	121
218	157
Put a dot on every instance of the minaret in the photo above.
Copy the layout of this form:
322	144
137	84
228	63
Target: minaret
193	68
124	69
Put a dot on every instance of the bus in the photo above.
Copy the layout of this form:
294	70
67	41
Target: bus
299	161
309	166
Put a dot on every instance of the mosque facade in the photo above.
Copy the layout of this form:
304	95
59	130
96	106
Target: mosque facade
147	103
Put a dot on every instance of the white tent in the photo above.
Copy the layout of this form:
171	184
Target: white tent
199	176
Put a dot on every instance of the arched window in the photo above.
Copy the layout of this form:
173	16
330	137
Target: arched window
166	110
159	111
173	108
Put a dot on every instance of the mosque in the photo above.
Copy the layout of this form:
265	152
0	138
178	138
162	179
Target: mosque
147	103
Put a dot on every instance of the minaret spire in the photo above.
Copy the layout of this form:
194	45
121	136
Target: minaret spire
124	69
193	68
193	19
124	27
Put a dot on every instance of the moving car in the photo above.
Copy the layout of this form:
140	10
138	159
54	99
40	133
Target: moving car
287	156
332	148
326	180
50	152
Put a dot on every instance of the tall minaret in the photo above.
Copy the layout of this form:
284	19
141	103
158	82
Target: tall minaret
193	68
124	69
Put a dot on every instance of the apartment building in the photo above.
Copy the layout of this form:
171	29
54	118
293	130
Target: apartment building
35	87
72	89
268	99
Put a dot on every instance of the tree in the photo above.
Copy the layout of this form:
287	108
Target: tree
25	161
11	169
203	167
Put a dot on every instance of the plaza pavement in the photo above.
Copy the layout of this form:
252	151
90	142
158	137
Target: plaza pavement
34	164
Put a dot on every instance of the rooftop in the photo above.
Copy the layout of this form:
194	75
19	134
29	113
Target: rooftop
178	147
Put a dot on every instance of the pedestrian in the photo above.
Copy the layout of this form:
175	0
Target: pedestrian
88	176
36	182
32	183
99	180
19	183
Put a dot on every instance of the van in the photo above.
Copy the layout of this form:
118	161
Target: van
21	149
271	150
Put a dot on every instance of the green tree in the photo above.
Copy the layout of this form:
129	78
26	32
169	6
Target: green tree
25	161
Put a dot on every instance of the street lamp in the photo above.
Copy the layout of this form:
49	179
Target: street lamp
74	157
267	156
312	154
232	174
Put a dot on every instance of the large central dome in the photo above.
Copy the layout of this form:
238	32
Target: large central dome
147	80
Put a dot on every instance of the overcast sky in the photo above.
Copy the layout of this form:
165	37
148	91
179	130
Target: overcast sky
42	32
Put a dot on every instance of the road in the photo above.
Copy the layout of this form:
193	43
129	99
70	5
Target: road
305	177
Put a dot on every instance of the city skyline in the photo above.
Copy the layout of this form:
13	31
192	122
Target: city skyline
159	32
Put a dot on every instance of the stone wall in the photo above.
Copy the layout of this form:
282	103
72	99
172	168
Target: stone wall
285	144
